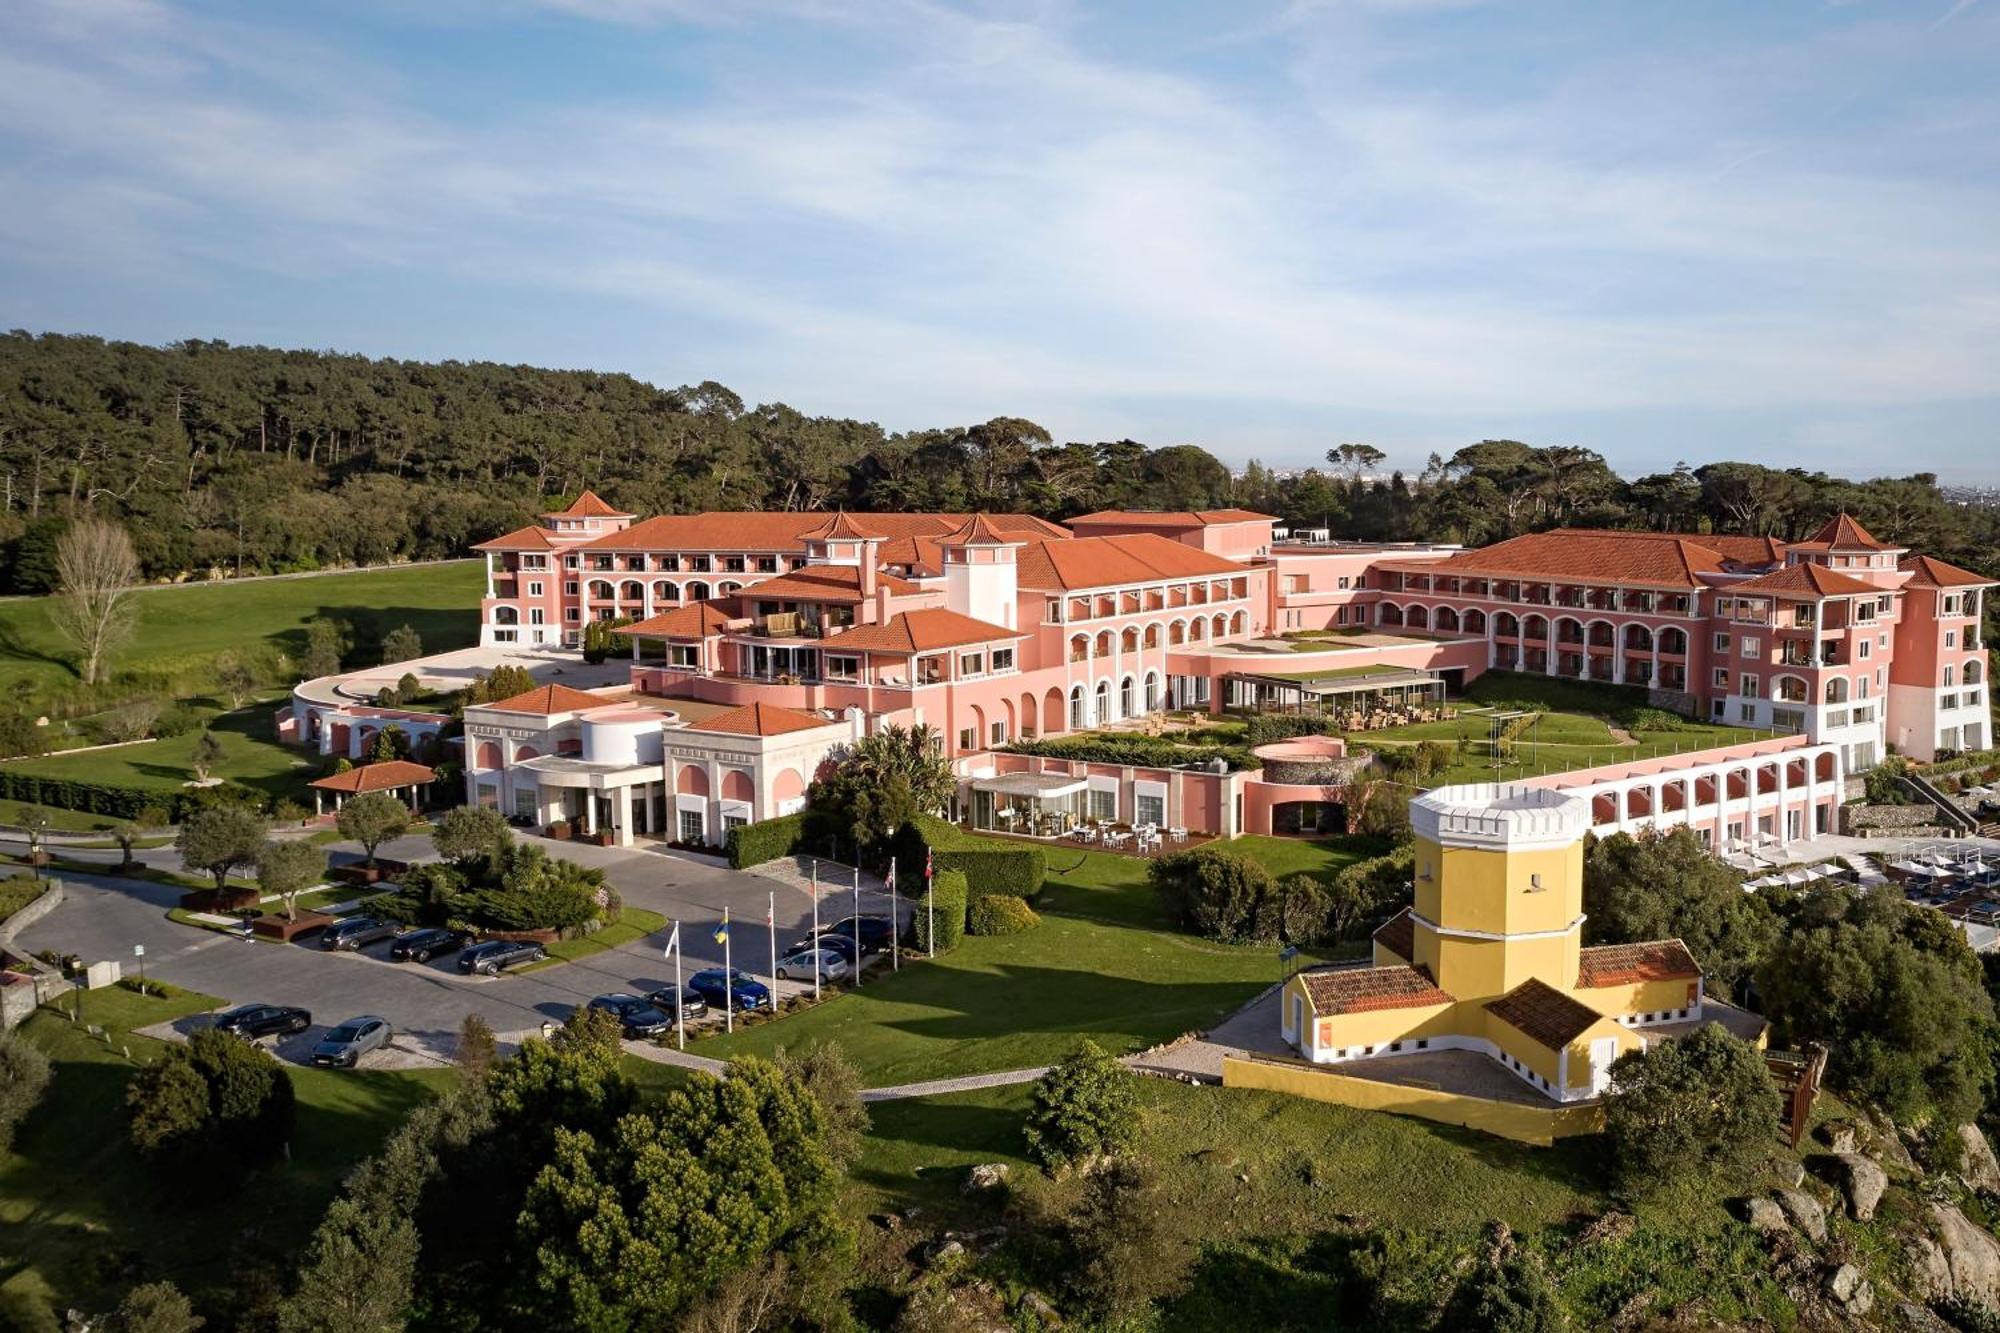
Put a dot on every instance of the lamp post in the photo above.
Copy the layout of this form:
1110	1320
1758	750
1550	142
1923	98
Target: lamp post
139	952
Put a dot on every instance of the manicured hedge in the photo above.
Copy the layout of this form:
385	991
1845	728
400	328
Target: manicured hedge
947	907
1136	751
101	798
989	865
1001	914
766	840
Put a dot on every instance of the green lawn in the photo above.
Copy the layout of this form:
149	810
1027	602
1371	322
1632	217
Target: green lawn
17	891
1100	966
251	755
81	1219
634	923
183	629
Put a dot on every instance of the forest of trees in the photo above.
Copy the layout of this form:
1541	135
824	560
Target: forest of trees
231	460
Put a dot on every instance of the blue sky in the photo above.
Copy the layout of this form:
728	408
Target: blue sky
1662	231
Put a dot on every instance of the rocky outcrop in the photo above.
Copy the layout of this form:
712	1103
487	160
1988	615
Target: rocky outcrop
1804	1212
1977	1165
1765	1216
1861	1183
988	1176
1847	1288
1972	1255
1838	1137
1926	1274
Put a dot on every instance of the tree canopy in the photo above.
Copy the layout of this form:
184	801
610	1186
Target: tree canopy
1665	886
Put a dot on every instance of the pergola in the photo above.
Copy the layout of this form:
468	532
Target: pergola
1360	691
393	775
1042	804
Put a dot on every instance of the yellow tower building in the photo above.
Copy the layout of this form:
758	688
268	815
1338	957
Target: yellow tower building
1489	957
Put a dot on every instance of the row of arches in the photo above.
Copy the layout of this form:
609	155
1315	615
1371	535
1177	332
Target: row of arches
1632	637
1133	638
663	590
737	784
1672	795
1082	707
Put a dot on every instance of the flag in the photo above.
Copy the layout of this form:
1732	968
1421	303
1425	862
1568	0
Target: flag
721	932
673	941
927	865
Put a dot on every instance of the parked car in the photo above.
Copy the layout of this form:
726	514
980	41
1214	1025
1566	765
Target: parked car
798	966
840	944
355	932
743	990
640	1017
496	956
420	946
344	1044
877	932
691	1004
263	1020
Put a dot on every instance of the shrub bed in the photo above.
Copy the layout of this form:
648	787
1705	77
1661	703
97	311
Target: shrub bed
947	907
1137	751
1000	914
766	840
989	865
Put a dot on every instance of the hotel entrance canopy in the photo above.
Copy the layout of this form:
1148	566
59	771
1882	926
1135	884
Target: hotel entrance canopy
1043	786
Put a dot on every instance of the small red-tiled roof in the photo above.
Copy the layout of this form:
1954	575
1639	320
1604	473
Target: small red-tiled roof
921	631
839	527
822	583
1357	990
545	700
1102	562
587	505
696	620
759	720
785	530
385	776
978	531
1399	934
520	539
1623	964
919	555
1171	518
1807	580
1543	1014
1928	572
1843	533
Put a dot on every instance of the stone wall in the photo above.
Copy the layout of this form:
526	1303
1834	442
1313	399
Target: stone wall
51	899
1674	701
1892	821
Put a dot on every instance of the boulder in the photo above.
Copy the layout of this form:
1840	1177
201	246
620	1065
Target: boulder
1038	1308
1793	1173
1766	1216
943	1254
1608	1229
1971	1254
1804	1211
1919	1320
1977	1165
1861	1182
985	1177
1839	1137
1850	1290
1926	1274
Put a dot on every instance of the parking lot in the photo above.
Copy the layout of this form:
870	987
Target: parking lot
105	916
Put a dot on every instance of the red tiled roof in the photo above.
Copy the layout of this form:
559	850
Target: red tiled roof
696	620
759	720
919	555
1623	964
785	530
1926	572
1357	990
1658	559
1172	518
385	776
520	539
1100	562
921	631
1543	1014
823	583
1842	533
1399	934
545	700
979	531
839	527
587	505
1808	580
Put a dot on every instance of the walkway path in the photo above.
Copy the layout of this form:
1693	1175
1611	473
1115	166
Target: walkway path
937	1087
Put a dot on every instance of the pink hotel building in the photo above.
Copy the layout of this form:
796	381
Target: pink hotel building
998	627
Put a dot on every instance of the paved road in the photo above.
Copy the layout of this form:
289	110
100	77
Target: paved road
106	915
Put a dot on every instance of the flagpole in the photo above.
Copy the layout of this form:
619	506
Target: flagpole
771	929
680	996
814	891
728	979
895	924
857	919
930	908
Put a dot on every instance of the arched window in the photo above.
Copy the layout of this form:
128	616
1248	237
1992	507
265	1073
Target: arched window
1196	628
1218	627
506	615
1674	642
697	591
1076	722
1388	613
600	589
1638	639
1474	622
1104	643
664	591
1177	633
489	755
632	590
1506	625
1417	617
1079	648
1836	690
1974	673
1446	620
1238	623
1128	641
1152	691
1152	636
1103	702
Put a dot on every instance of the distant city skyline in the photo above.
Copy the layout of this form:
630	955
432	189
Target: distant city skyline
1697	232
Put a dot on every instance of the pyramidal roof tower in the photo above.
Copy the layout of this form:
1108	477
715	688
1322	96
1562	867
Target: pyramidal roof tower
981	575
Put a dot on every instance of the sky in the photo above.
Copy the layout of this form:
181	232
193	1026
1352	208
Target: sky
1674	231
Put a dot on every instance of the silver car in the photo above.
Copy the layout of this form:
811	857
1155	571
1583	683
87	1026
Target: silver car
344	1044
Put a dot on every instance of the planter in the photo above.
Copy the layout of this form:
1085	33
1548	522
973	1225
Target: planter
228	900
560	830
547	935
274	927
601	838
356	874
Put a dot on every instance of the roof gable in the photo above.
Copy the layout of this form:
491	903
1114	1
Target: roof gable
1624	964
1844	533
924	630
1808	580
1103	562
587	505
549	699
1543	1014
759	719
1928	572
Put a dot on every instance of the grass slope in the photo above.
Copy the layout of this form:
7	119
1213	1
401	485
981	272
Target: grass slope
251	755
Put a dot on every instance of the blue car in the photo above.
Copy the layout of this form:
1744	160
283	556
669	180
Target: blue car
744	991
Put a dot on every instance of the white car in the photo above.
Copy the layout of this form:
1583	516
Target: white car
799	966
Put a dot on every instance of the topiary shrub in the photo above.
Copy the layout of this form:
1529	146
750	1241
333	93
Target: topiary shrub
947	909
765	840
1000	914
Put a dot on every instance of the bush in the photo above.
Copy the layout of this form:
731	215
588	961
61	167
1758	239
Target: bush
1218	893
539	892
766	840
988	866
1264	728
1001	914
211	1110
24	1073
1083	1107
947	908
1704	1104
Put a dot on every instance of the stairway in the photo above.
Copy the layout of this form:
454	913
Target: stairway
1951	816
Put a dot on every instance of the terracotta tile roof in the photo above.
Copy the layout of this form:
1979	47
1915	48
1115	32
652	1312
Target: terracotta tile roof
385	776
1842	533
1603	557
1926	572
822	583
759	720
785	530
1172	518
979	531
1543	1014
520	539
1102	562
1356	990
549	699
696	620
1807	580
921	631
1399	934
587	505
1623	964
919	555
839	527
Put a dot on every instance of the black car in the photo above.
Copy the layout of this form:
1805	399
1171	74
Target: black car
640	1018
356	931
840	944
877	932
495	956
692	1005
263	1020
420	946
